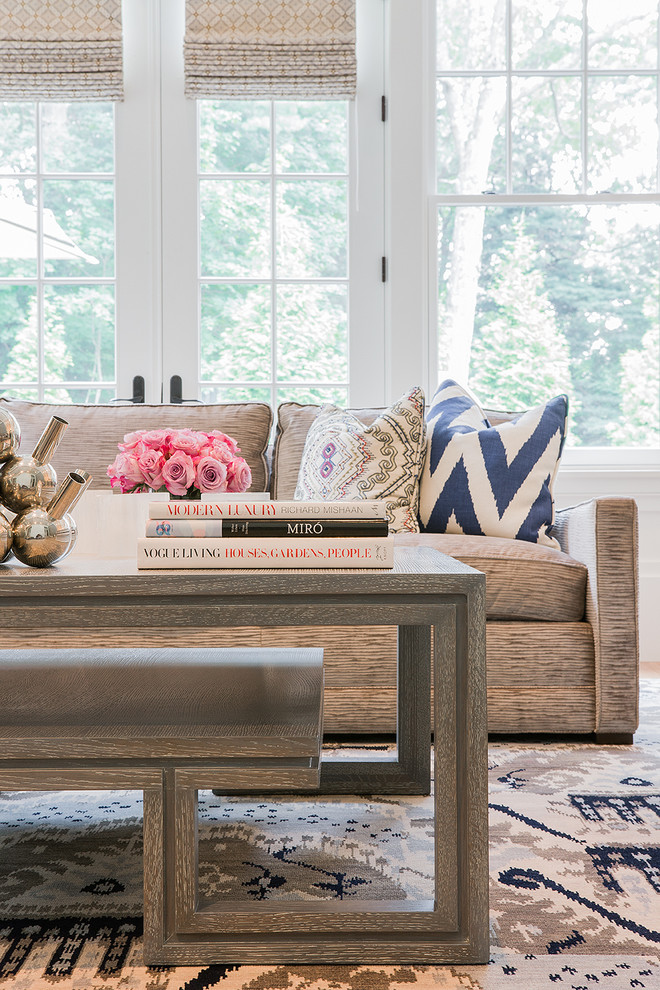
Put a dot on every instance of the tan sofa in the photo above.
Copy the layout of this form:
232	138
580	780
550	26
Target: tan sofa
562	639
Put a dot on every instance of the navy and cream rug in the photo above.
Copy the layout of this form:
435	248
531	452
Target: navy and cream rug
574	865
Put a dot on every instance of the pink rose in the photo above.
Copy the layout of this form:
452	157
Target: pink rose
239	476
211	475
219	450
131	440
223	438
125	470
178	473
188	441
151	463
158	439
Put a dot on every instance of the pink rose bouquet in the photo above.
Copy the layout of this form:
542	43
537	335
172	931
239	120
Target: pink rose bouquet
184	463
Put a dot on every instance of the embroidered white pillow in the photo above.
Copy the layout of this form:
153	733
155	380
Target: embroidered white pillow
488	480
343	458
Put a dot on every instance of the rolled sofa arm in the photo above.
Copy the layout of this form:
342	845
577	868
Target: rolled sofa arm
602	534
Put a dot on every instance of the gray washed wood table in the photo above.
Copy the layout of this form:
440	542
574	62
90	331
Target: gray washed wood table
429	597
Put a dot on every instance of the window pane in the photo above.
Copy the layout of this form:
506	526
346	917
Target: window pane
622	134
546	34
235	227
18	137
538	301
623	36
470	34
470	135
545	135
18	334
77	137
79	337
18	228
236	333
305	339
79	227
235	393
312	229
234	136
312	333
92	395
311	136
314	395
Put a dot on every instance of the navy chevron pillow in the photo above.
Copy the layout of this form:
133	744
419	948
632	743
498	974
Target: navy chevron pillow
488	480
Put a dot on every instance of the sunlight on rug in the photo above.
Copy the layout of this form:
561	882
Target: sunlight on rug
574	865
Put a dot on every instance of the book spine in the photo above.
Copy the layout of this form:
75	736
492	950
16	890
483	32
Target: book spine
163	528
265	553
282	528
359	509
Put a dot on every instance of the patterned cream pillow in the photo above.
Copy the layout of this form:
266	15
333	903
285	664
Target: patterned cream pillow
343	458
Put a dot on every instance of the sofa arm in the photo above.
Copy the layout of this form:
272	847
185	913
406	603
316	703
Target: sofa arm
602	534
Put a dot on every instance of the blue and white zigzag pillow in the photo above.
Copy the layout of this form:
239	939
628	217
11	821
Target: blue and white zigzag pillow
488	480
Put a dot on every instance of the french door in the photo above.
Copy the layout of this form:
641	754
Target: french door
251	232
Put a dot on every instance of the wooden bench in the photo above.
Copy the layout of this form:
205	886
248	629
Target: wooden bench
167	721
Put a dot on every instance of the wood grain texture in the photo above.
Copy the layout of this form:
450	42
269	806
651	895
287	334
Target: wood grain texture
154	869
445	746
424	590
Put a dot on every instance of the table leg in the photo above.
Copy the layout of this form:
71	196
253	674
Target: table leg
409	772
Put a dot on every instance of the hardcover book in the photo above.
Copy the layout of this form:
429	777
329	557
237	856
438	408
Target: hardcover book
265	553
245	508
241	528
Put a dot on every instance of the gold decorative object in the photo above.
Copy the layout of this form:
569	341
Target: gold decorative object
44	536
30	482
10	434
6	537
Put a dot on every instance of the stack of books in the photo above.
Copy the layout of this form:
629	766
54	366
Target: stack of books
251	532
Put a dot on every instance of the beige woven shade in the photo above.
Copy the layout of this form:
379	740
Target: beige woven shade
262	49
60	50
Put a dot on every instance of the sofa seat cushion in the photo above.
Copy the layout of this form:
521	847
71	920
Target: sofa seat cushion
523	580
90	442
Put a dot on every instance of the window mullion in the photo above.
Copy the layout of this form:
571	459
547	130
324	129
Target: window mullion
509	97
273	259
584	99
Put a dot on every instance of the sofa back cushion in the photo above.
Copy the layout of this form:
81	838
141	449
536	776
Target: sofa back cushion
345	458
293	423
90	442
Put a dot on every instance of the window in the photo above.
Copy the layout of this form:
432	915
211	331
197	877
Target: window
234	244
57	267
548	209
273	194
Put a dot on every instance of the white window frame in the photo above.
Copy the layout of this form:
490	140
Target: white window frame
158	216
412	292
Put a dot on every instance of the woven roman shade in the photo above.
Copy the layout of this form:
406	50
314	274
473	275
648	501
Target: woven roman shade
60	50
262	49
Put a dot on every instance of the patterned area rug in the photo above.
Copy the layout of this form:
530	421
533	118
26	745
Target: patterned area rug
574	865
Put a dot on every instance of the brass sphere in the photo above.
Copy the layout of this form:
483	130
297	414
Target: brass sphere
6	537
25	484
10	434
40	540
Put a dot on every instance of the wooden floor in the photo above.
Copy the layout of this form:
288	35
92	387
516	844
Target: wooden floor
649	670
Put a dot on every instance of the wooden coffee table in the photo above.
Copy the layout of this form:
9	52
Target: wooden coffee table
429	597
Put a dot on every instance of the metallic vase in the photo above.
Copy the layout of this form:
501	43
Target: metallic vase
44	536
6	537
30	482
10	434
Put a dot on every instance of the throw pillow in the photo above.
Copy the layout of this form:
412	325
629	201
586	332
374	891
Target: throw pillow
343	458
488	480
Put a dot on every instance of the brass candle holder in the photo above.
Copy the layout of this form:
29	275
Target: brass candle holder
6	537
44	536
30	482
10	434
